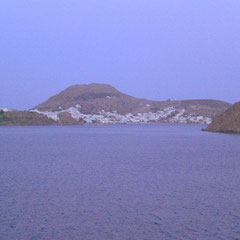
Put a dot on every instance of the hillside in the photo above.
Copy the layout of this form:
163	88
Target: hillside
93	98
228	122
102	103
14	117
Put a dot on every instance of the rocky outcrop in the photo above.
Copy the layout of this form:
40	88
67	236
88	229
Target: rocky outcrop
227	122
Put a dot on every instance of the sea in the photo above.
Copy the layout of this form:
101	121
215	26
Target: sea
133	182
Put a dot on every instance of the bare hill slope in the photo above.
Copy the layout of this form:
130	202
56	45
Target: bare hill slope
228	122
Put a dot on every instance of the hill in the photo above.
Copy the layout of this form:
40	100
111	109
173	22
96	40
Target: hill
102	103
228	121
13	117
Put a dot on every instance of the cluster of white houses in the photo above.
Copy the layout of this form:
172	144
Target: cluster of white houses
167	115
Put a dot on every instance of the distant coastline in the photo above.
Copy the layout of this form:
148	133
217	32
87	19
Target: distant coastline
103	104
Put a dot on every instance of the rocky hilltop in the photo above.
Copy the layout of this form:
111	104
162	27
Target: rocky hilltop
228	122
102	103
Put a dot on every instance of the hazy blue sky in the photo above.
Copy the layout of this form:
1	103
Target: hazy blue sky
156	49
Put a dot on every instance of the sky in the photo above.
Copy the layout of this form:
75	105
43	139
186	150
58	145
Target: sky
154	49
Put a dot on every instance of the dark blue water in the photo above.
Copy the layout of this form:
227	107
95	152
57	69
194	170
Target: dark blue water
119	182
